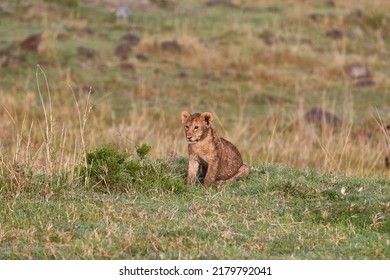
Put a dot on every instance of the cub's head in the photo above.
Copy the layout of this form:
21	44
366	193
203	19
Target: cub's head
196	126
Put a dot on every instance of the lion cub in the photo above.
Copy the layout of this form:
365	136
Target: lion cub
218	159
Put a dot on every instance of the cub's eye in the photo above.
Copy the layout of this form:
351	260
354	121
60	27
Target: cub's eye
186	127
196	127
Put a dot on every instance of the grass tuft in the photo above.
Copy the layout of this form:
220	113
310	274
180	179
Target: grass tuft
111	171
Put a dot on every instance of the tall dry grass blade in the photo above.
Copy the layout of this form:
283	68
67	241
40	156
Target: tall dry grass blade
83	118
381	124
18	148
344	147
28	147
49	123
62	168
271	143
9	114
329	160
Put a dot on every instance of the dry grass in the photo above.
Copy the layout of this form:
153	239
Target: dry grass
259	82
56	140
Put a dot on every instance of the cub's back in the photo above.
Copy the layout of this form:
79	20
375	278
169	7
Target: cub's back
230	160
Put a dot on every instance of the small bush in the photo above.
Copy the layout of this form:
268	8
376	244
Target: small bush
111	171
105	168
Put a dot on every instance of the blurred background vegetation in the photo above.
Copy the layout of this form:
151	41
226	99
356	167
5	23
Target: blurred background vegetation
300	83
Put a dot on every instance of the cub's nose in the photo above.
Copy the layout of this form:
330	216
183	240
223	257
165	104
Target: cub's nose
189	137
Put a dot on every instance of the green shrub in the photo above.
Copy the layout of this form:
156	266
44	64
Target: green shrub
105	168
111	171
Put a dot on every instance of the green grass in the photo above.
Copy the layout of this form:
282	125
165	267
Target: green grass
276	213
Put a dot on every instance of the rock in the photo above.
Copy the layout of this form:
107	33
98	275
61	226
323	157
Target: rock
330	3
357	71
335	34
130	39
125	47
358	13
122	12
182	75
360	74
320	116
123	50
172	46
317	16
31	43
5	10
141	57
86	52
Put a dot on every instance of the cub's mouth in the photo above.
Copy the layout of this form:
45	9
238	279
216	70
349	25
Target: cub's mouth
193	141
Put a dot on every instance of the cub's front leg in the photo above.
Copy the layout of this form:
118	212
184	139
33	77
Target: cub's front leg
193	167
211	175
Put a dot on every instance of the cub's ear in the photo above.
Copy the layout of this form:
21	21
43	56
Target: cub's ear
184	117
208	118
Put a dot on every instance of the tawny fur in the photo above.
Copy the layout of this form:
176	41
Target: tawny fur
208	152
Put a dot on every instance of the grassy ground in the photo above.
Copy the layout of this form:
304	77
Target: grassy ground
278	213
259	67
